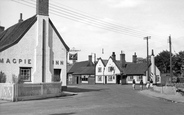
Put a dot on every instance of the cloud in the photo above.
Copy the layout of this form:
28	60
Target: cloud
124	3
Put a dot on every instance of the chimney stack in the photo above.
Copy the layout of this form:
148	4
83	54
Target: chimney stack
122	59
20	20
152	53
114	56
134	58
90	58
42	7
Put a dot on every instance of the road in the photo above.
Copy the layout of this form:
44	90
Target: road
95	100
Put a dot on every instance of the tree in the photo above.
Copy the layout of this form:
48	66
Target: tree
162	61
2	77
178	63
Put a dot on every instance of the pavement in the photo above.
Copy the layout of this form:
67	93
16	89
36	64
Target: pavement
177	98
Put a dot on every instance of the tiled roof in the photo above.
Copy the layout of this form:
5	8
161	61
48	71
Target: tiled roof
136	68
13	34
84	67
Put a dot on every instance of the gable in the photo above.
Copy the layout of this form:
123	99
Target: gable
14	34
61	39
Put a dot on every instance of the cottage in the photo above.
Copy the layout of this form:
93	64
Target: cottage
34	49
119	71
82	72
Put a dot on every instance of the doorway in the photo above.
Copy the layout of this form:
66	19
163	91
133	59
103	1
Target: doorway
57	73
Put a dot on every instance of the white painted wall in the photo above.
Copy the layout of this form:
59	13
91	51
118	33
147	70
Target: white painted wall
23	50
111	63
59	55
99	74
29	48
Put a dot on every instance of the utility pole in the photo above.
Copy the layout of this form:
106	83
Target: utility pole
147	38
170	49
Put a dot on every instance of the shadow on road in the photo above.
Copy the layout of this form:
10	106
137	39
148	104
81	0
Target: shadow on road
78	90
63	113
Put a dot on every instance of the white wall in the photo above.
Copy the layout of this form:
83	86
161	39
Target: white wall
59	55
23	50
110	63
101	74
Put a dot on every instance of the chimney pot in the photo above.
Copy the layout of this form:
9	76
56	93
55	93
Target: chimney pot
113	55
20	20
134	58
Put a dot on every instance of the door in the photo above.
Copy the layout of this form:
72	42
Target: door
57	73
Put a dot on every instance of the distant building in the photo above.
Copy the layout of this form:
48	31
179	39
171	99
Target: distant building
119	71
82	72
34	49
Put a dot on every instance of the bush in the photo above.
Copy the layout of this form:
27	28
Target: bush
20	79
2	77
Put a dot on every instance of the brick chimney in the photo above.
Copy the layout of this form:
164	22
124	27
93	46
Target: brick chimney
90	58
122	59
134	58
42	7
114	56
20	20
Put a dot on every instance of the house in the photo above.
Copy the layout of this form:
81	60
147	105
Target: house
119	71
110	72
99	71
34	49
82	72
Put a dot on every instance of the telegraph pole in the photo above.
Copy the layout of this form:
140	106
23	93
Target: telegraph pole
147	38
170	49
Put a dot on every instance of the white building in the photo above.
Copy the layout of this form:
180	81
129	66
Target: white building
34	49
119	71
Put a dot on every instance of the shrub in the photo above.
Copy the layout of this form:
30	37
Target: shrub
20	79
2	77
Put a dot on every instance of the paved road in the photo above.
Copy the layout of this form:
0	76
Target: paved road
95	100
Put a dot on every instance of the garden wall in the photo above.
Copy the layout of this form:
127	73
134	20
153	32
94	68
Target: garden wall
16	92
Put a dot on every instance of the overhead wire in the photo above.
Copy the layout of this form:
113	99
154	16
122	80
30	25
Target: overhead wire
83	18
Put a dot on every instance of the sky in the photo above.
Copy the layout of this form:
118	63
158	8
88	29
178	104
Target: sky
130	21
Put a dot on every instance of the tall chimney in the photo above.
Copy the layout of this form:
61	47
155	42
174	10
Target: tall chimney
20	20
134	58
42	7
114	56
122	59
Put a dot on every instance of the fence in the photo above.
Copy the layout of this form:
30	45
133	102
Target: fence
170	90
16	92
7	91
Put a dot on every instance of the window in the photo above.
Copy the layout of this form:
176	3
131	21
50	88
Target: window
99	78
99	69
139	78
130	78
84	78
25	73
110	69
110	78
